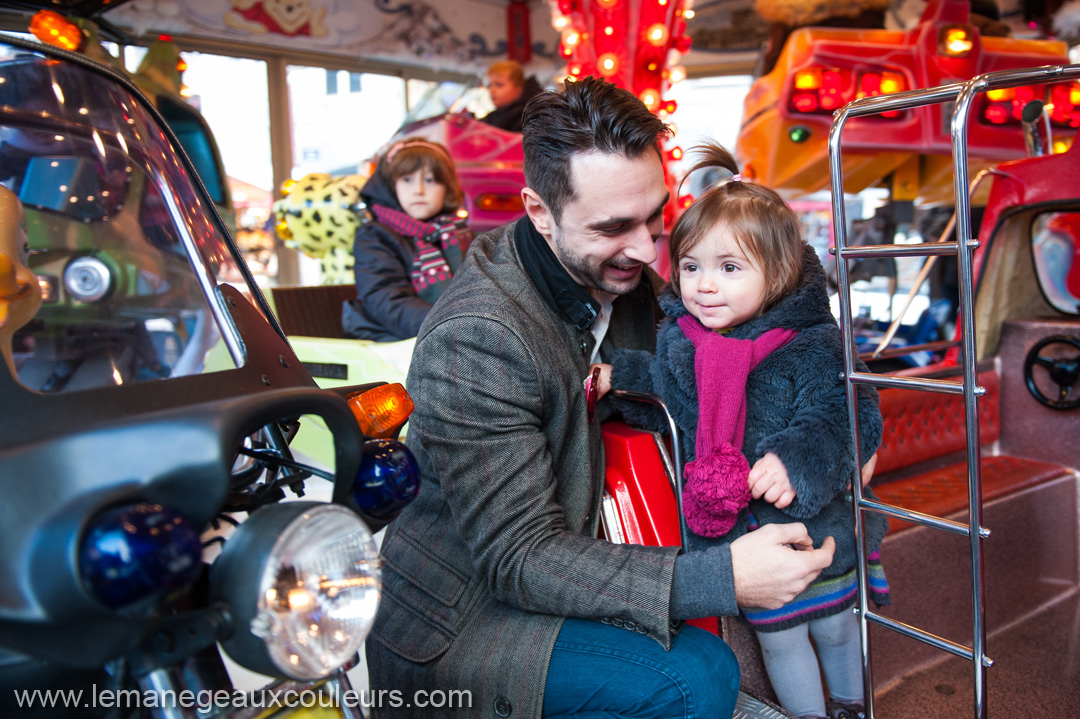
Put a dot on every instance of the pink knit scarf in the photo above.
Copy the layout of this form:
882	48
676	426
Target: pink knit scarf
716	481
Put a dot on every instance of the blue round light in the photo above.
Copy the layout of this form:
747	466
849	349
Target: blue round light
133	556
387	480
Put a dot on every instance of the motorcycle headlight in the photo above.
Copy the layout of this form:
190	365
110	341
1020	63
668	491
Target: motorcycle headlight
302	580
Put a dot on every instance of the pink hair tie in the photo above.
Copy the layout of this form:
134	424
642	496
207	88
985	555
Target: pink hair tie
399	146
736	177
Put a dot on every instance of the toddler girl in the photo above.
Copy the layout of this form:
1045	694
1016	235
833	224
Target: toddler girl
750	364
410	244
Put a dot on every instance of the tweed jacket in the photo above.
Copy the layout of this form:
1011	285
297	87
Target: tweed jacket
482	567
796	408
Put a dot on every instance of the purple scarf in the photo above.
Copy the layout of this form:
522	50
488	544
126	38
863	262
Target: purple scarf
716	486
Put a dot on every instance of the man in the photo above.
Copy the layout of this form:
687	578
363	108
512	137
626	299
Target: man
494	582
510	91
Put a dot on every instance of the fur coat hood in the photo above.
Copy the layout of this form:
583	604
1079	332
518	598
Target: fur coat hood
796	408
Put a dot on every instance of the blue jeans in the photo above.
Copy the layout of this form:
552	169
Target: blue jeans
600	671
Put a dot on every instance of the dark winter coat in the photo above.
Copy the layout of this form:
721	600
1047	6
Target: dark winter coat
387	306
796	408
509	117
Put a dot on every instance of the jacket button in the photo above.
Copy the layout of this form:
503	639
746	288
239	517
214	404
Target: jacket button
503	707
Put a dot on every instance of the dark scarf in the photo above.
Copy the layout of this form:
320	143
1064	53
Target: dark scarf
438	247
556	286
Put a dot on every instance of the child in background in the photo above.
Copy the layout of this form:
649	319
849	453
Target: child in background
408	249
749	362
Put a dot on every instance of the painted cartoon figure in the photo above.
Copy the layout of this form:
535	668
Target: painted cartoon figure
19	295
281	17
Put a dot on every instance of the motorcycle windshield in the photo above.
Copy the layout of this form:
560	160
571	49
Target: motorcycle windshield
126	251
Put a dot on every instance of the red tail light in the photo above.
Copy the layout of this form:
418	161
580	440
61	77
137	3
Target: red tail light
872	84
822	90
1065	101
1006	106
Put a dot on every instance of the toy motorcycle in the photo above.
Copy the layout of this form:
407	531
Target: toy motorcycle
144	522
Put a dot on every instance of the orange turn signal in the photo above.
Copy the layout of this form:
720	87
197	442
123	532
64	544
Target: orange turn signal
52	29
381	411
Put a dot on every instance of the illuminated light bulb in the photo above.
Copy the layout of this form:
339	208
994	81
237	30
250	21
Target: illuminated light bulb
608	64
51	28
565	51
651	98
571	38
657	35
181	64
956	41
574	68
685	201
891	82
652	67
689	14
1061	146
607	4
799	134
609	30
677	74
560	22
670	106
676	153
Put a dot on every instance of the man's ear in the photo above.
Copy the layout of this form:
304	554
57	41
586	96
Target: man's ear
537	211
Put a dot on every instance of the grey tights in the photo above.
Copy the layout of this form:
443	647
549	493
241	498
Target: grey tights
792	663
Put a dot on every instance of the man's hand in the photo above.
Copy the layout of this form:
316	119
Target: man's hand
771	565
769	481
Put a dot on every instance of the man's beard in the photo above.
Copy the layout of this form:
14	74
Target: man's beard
588	275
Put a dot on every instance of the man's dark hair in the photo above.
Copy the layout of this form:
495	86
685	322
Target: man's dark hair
588	115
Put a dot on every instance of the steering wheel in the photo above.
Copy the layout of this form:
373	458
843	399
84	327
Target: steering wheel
1064	372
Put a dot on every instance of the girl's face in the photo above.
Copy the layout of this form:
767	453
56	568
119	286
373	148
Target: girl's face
720	285
420	194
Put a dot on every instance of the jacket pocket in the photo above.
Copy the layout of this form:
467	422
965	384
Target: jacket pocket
407	633
413	561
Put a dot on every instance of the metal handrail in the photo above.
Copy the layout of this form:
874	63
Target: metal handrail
963	95
945	386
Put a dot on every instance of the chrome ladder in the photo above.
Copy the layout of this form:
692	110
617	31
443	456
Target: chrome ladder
962	94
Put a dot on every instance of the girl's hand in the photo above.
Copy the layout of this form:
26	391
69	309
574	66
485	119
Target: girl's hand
768	480
603	382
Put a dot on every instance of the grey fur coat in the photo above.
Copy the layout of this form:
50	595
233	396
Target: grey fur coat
796	409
